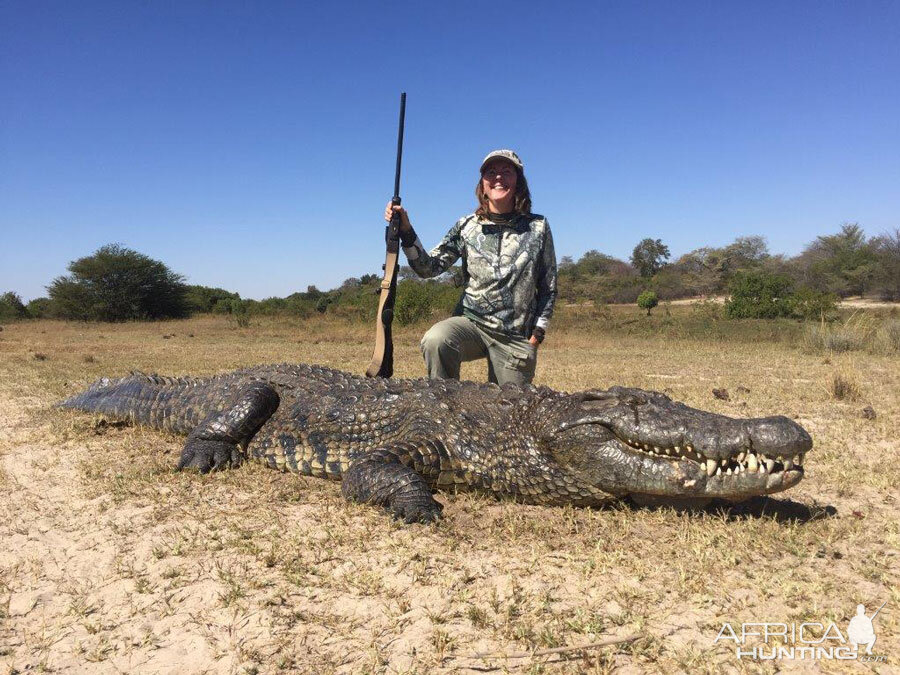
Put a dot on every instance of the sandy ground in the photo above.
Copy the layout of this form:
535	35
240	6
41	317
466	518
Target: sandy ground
112	563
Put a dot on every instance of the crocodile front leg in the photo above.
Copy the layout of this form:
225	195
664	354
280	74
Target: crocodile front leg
216	443
380	477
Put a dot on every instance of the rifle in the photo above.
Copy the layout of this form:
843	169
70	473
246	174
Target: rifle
382	364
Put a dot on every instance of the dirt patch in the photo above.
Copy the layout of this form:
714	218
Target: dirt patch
111	562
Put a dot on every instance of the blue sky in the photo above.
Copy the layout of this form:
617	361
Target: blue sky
251	145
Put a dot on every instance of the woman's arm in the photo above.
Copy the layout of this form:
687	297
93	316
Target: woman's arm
423	263
546	287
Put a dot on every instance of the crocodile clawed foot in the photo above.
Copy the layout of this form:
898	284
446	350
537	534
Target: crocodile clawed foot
417	511
209	455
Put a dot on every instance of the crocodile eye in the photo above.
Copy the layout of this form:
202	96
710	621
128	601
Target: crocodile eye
596	405
582	432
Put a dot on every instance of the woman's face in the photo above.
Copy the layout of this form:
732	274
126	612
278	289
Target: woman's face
498	180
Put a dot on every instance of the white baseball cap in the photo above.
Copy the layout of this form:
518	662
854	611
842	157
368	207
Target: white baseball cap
508	155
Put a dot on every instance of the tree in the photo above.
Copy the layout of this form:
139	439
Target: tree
118	284
11	306
709	270
647	300
843	263
649	256
887	252
746	252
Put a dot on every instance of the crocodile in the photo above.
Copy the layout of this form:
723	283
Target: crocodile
394	442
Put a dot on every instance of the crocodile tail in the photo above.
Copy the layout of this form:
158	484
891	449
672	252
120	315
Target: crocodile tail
175	404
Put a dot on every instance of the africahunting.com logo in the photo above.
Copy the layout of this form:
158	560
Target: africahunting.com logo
809	640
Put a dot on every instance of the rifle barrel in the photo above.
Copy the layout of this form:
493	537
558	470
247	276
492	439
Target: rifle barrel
396	199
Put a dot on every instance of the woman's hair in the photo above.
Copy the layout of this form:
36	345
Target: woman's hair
522	203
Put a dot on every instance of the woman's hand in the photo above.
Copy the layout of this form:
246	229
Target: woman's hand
404	217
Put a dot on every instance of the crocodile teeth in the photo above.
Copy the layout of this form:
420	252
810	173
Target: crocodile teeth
752	464
711	466
770	464
677	448
788	464
799	459
723	462
741	456
718	470
729	472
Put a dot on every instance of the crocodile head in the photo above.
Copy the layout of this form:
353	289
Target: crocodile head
629	441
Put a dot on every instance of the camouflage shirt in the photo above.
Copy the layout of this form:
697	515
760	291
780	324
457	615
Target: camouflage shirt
509	270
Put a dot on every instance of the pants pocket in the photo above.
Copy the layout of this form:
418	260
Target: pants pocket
522	362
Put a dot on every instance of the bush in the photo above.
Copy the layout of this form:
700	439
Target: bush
647	300
322	304
671	284
118	284
708	310
239	310
759	295
812	304
11	306
39	308
413	303
205	299
620	290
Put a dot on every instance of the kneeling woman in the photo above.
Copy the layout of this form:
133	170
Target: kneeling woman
509	271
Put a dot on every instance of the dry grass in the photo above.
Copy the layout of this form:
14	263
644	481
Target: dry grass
887	337
844	387
113	562
859	331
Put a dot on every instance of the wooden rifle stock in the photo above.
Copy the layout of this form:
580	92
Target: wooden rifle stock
382	364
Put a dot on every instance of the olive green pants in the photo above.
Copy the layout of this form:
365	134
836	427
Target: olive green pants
450	342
